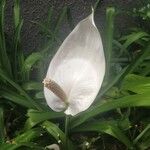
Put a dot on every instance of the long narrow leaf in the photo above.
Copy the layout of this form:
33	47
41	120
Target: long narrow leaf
36	117
57	133
16	86
135	63
18	53
16	13
105	127
2	128
60	19
3	53
133	37
111	84
25	137
141	134
16	98
29	62
130	84
110	15
137	100
35	86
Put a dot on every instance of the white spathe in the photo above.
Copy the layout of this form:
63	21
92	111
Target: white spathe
78	68
53	147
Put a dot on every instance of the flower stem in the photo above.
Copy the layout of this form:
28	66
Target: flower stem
66	131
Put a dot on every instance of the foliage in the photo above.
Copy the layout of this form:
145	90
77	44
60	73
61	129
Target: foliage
118	119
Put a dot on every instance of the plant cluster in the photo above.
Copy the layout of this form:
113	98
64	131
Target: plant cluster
119	118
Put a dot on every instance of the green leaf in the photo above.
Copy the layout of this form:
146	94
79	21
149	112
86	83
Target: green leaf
29	86
110	15
30	61
136	62
23	139
60	20
36	117
96	4
70	19
16	98
2	126
47	31
137	100
13	146
107	127
28	136
39	95
137	84
141	134
48	20
57	133
17	87
5	62
144	69
111	84
145	144
16	13
121	47
18	53
133	37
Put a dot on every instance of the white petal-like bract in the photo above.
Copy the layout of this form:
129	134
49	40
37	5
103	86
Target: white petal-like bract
78	68
53	147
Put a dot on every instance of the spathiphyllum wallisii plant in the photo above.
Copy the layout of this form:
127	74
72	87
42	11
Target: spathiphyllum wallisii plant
76	72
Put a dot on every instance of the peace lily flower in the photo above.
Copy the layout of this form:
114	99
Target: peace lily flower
76	72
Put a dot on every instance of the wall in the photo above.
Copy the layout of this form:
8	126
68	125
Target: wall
36	10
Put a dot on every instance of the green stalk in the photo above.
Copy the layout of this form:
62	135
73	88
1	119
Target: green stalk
66	131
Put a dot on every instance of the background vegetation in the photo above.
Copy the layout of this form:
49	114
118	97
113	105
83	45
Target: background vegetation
119	118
